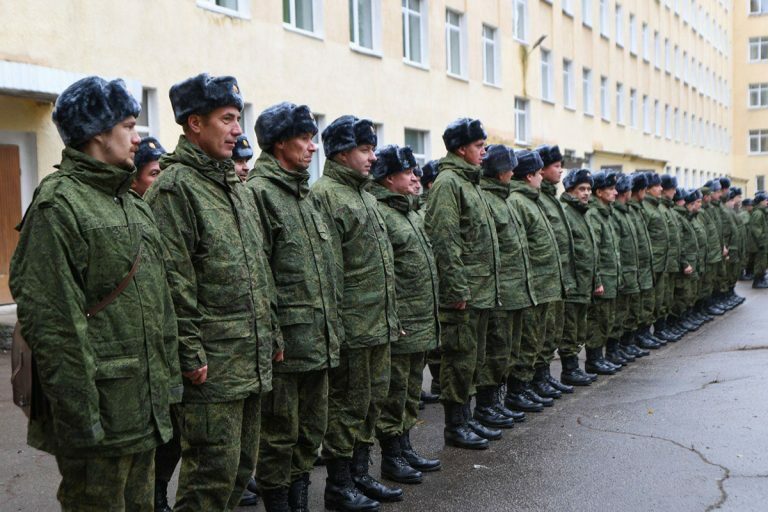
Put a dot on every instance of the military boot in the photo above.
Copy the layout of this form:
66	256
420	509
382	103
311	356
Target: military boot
368	485
499	394
456	432
649	335
597	364
532	395
713	309
745	275
516	398
629	343
298	494
613	355
485	410
340	491
161	497
275	500
571	373
491	434
394	466
541	385
560	386
414	459
760	282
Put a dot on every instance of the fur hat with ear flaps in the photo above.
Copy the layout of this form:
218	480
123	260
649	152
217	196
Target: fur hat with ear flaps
203	94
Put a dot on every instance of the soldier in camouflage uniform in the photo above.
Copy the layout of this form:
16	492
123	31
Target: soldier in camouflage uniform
396	188
297	243
147	164
222	292
715	248
735	247
365	277
758	232
575	199
543	381
547	281
667	323
103	382
687	281
460	225
747	205
242	152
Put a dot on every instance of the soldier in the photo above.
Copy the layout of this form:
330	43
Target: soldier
240	156
147	164
687	281
222	291
758	231
466	250
668	323
747	206
428	175
602	313
578	188
396	188
103	404
547	283
365	286
515	290
543	381
297	243
736	246
693	203
715	250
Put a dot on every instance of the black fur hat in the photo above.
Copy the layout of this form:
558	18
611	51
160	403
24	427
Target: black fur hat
713	185
528	162
734	192
747	202
549	154
679	194
668	182
605	179
725	182
243	149
576	177
623	183
348	132
392	159
203	94
283	121
463	131
692	195
498	158
760	197
429	172
149	151
652	178
92	106
639	181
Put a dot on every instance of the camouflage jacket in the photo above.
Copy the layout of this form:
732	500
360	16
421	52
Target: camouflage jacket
515	274
415	272
542	242
365	270
737	245
758	228
584	250
714	236
297	243
749	244
624	227
700	230
219	276
108	379
674	263
720	212
557	219
608	251
658	231
644	254
689	247
460	225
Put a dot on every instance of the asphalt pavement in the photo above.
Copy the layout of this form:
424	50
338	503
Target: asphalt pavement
682	430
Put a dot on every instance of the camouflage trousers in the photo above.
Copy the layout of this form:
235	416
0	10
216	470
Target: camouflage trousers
356	389
600	319
504	331
723	277
463	337
660	289
574	329
707	281
734	271
685	294
293	420
400	408
622	321
554	331
113	484
219	445
522	365
167	456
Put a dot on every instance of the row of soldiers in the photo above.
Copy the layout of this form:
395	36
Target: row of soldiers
265	319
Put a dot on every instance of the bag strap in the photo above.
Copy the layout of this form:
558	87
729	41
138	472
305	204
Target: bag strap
106	301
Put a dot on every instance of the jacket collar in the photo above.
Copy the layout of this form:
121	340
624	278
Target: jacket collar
457	164
568	199
190	155
267	166
110	179
399	202
345	175
525	189
495	187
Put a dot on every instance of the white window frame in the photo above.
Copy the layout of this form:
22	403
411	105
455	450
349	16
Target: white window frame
761	43
461	29
633	108
318	160
546	76
678	62
317	19
657	117
604	29
676	119
646	115
605	102
646	42
243	9
620	104
586	13
758	90
423	156
354	20
567	7
149	106
619	20
667	122
493	42
248	124
656	49
520	6
522	118
632	34
568	85
758	7
423	18
667	56
758	135
587	95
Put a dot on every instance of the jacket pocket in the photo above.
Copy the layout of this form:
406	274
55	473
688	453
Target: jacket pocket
226	329
322	229
121	397
455	331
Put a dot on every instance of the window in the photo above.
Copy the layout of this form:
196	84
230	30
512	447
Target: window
758	6
521	121
619	25
604	18
318	161
303	15
677	124
758	142
657	117
586	12
678	62
620	104
667	56
605	106
415	32
146	123
633	108
686	129
586	86
568	83
646	115
646	43
656	49
419	142
454	43
520	25
632	34
490	56
546	75
237	8
758	49
667	122
568	7
364	25
758	95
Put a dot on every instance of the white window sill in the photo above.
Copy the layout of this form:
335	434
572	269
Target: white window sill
491	84
605	120
522	142
460	78
589	114
223	10
414	64
569	107
548	101
586	24
758	154
521	41
314	35
759	107
365	51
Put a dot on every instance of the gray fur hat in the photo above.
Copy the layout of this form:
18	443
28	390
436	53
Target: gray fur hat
392	159
549	154
149	151
92	106
347	132
429	172
605	179
576	177
528	162
463	131
283	121
203	94
498	158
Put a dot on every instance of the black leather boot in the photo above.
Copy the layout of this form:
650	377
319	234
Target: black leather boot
434	387
298	494
612	354
541	385
533	396
491	434
485	410
596	364
275	500
560	386
517	400
571	373
161	497
629	344
500	393
713	309
457	433
340	491
394	466
415	460
366	483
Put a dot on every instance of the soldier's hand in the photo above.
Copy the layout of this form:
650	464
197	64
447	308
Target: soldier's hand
725	252
599	291
688	270
459	305
198	376
279	356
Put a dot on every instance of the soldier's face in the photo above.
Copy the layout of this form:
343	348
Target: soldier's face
404	182
654	190
472	153
534	179
145	177
606	195
623	197
241	169
639	194
120	143
295	154
359	159
552	172
669	193
582	191
505	177
716	195
217	132
694	206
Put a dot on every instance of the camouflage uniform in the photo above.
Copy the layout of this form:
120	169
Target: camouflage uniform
105	382
629	285
727	230
602	312
674	266
685	294
659	235
714	253
758	231
297	243
749	243
641	309
225	304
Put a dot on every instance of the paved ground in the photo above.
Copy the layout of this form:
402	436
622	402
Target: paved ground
682	430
